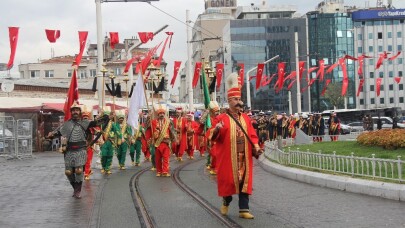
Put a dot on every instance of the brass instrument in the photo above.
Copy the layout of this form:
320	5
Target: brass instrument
284	123
204	116
123	132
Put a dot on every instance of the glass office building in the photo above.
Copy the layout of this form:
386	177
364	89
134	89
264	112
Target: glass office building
331	37
258	37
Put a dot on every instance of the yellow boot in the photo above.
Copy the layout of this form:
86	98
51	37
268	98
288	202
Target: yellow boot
224	210
246	215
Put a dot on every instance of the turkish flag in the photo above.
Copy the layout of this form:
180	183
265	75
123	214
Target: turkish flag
301	70
291	76
321	70
397	79
310	70
381	59
52	35
281	72
360	89
241	74
82	40
157	64
291	84
72	96
171	36
378	86
332	67
361	62
13	36
129	63
176	71
350	57
219	73
145	62
342	63
114	39
395	56
197	70
327	82
145	36
259	73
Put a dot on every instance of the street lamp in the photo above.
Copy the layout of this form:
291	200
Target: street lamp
249	102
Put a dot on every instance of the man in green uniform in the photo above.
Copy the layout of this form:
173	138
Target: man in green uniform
110	135
123	143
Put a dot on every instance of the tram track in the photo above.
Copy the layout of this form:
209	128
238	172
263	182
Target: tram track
146	218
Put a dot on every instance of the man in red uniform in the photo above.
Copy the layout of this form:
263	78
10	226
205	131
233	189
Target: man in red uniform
163	133
86	115
211	159
179	123
191	128
236	142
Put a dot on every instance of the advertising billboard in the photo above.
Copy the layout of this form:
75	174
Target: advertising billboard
378	14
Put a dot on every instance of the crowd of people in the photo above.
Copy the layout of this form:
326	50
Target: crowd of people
227	137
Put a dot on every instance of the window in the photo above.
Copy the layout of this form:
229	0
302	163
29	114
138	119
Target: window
371	88
401	100
49	74
69	73
381	74
399	48
380	48
362	101
372	101
389	47
359	50
371	74
391	74
381	100
381	87
34	73
93	73
370	36
391	86
371	62
380	35
370	49
399	34
400	73
400	60
391	100
360	36
401	86
389	35
117	71
82	74
339	33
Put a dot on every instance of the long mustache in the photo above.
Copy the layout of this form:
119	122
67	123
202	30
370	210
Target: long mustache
239	104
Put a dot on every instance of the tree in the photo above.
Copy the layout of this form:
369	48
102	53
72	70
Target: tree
334	94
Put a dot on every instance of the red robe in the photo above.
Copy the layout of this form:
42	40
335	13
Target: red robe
227	176
182	137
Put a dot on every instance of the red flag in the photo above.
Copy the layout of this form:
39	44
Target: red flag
270	79
251	77
311	81
360	89
310	70
219	73
291	84
321	70
281	72
327	82
170	35
148	57
350	57
291	76
332	67
145	36
241	74
114	39
301	70
361	62
82	40
161	53
129	63
72	96
378	86
13	36
381	59
395	56
397	79
176	71
52	35
259	73
264	80
345	84
197	70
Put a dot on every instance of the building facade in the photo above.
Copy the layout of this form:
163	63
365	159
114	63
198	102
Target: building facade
378	31
330	37
257	34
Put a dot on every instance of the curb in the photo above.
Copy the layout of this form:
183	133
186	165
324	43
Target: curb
385	190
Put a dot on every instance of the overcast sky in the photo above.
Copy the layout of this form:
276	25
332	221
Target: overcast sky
71	16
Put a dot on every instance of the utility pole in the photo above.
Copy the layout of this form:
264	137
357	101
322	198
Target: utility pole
100	55
189	75
297	67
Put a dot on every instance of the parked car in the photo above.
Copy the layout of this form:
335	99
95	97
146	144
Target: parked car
402	120
386	122
356	126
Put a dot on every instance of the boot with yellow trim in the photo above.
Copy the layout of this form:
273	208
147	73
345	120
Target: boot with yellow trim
225	204
245	215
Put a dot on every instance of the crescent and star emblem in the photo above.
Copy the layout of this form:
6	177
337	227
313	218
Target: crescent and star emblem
260	71
13	38
220	71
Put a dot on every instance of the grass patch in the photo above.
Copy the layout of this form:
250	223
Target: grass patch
347	147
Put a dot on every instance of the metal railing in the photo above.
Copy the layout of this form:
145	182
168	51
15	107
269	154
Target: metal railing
375	168
15	137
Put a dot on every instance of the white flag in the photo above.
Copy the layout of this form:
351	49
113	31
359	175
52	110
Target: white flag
136	103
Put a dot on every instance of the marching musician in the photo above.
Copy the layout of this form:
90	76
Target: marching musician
334	127
125	140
